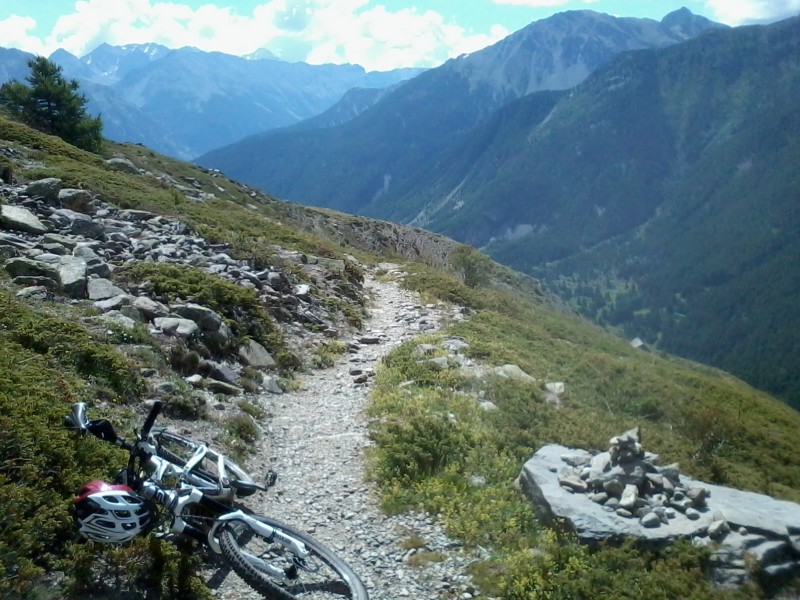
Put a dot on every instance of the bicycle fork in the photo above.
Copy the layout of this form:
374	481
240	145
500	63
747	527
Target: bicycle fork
295	546
177	502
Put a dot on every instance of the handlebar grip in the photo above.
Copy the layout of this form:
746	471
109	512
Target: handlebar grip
151	418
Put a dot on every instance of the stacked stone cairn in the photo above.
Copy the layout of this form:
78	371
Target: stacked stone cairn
628	481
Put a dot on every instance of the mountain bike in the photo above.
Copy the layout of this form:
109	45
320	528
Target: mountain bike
273	558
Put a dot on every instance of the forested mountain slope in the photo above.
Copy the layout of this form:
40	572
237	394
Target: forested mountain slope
661	196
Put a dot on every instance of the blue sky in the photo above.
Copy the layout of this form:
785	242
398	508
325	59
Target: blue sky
378	34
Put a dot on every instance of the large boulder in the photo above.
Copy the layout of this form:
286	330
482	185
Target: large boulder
78	223
150	309
47	189
77	200
72	276
26	267
122	164
206	319
511	371
253	354
174	326
102	289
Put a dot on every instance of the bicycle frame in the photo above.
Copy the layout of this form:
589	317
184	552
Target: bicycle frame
158	467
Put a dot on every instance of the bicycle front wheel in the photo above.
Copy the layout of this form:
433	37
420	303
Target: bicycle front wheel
273	570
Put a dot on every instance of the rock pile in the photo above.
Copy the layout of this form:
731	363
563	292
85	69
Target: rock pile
627	480
65	243
624	493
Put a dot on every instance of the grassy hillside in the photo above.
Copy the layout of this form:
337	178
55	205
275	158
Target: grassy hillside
433	440
51	355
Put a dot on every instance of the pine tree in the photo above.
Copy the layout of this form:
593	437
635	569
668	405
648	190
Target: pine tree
52	104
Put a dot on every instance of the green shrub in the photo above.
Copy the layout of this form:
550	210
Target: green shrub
147	567
41	464
186	404
71	346
184	360
6	172
325	354
252	409
560	569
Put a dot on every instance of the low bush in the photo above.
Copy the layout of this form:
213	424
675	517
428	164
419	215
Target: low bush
325	354
45	365
239	305
71	346
241	426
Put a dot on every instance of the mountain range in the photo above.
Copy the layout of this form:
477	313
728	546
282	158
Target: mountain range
388	145
186	102
658	196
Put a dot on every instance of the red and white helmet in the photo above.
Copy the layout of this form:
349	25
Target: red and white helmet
111	514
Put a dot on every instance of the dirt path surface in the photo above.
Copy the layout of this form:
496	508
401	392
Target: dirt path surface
316	444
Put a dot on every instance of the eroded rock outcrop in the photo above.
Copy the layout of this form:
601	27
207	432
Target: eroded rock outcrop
624	493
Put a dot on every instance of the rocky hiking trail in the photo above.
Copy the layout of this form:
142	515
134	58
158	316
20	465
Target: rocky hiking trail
316	442
316	437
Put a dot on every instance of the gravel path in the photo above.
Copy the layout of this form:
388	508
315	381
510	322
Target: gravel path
316	444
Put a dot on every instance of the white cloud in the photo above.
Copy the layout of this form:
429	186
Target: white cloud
533	3
382	40
540	3
14	33
741	12
315	31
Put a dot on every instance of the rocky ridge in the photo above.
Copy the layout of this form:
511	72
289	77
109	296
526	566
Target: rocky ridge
66	244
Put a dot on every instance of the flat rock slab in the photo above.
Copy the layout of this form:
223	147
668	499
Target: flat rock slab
19	218
758	513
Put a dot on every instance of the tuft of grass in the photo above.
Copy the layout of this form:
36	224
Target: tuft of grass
252	409
422	559
325	354
241	426
412	542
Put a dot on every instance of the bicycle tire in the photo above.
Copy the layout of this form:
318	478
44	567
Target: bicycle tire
337	581
240	480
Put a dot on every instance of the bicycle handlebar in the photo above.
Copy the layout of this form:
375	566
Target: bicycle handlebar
103	429
151	419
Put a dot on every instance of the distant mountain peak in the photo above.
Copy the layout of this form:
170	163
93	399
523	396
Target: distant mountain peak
261	54
61	54
680	11
684	22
